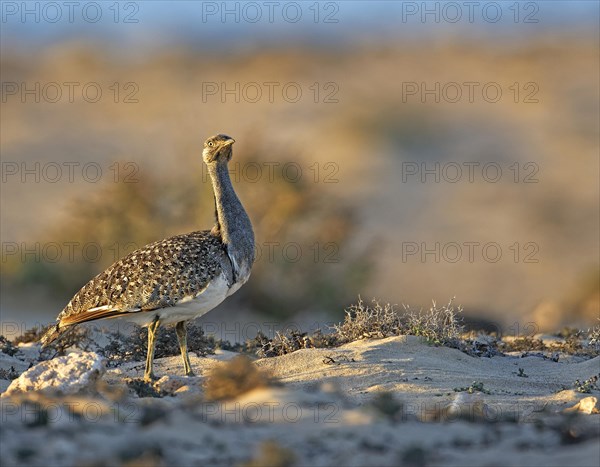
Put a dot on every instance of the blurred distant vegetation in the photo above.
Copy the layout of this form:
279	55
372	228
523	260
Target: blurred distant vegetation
351	232
301	238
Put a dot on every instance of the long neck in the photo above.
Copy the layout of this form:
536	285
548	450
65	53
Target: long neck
235	227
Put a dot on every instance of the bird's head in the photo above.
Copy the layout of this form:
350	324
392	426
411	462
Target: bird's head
217	149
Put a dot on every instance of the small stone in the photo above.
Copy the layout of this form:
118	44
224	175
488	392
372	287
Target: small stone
70	374
587	405
170	385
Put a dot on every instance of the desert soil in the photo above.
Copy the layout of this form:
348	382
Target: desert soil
393	401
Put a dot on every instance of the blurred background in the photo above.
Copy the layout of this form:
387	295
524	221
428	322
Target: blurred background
406	151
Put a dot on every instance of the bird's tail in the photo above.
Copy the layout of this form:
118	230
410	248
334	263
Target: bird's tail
52	333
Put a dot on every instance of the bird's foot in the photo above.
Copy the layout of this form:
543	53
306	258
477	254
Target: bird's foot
149	378
190	373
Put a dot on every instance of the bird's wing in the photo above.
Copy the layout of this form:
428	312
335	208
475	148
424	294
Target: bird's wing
100	312
156	276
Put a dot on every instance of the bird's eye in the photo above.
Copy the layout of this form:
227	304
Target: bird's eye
211	144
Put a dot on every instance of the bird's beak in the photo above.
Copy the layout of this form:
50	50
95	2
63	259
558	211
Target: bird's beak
229	142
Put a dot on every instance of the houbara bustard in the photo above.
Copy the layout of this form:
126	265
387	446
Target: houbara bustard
176	279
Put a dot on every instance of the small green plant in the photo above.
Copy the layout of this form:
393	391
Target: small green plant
476	386
522	373
588	385
386	404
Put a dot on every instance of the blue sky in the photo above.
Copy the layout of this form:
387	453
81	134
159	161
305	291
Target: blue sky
144	25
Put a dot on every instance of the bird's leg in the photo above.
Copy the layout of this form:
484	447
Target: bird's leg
152	330
182	339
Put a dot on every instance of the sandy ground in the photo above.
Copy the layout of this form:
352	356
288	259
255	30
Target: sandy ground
324	411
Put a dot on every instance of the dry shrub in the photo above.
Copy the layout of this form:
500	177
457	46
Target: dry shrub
31	335
282	344
134	346
9	374
594	338
74	337
233	378
523	344
363	321
288	342
7	346
440	326
271	454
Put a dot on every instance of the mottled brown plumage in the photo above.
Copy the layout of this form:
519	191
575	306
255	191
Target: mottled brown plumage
176	279
157	276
